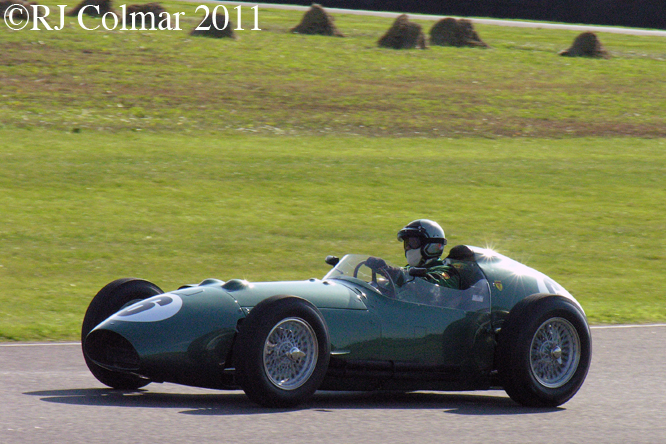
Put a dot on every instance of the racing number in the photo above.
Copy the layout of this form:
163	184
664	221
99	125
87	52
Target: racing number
142	306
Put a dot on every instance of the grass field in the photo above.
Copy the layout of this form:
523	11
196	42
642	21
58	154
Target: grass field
173	158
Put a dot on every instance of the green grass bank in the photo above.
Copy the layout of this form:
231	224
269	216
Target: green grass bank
80	210
159	155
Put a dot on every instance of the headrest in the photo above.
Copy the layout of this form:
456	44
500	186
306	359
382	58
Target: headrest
461	253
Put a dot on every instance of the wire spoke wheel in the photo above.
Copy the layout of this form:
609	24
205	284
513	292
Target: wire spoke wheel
555	353
544	350
290	353
282	351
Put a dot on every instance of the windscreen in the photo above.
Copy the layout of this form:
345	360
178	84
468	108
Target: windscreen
415	290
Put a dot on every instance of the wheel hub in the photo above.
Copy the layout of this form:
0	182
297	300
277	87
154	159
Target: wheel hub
295	354
290	353
551	351
556	354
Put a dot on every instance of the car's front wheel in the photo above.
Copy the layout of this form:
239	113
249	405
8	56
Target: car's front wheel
282	352
544	351
108	301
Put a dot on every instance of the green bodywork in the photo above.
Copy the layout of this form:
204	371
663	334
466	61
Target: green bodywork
417	336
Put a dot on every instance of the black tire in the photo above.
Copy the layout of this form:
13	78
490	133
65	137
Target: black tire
108	301
291	373
544	351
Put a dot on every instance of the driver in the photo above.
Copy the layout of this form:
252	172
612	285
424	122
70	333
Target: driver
424	243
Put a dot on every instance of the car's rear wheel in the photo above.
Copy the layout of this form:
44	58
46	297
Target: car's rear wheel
544	351
282	352
108	301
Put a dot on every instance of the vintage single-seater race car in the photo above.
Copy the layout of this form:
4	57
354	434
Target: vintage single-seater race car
508	326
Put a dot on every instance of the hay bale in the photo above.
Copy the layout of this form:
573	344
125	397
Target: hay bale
316	21
452	32
227	32
104	7
586	45
19	14
403	35
155	8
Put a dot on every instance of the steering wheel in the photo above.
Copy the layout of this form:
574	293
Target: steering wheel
386	290
358	267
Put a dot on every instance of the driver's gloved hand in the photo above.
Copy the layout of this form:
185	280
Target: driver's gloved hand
380	265
375	263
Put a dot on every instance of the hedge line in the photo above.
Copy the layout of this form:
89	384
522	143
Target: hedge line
633	13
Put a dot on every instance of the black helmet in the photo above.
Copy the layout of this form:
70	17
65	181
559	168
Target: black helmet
426	235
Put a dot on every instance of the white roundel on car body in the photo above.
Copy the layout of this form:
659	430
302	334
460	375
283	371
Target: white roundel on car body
157	308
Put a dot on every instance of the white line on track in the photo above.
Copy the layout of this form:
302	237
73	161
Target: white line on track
603	327
52	344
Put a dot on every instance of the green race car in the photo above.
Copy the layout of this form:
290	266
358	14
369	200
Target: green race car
508	326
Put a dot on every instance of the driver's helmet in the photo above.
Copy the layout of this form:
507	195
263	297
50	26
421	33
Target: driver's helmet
424	241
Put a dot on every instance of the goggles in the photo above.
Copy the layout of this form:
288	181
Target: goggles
412	243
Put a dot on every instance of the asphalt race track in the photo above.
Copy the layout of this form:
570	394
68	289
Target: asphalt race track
48	396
